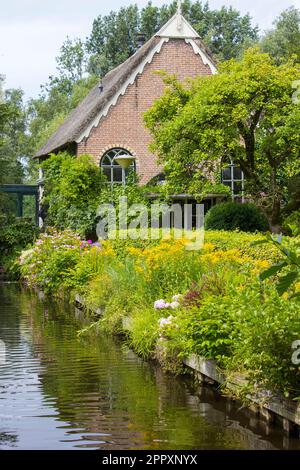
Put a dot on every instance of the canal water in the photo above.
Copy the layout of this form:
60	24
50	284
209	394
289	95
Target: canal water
61	391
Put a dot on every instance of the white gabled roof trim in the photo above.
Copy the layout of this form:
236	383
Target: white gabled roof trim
177	27
122	90
206	60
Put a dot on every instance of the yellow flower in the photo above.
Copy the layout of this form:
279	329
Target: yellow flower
297	287
139	269
207	247
262	264
259	266
134	251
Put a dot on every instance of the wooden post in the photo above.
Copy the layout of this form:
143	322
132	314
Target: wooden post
19	205
37	205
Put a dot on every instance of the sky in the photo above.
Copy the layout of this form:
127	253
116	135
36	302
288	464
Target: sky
32	31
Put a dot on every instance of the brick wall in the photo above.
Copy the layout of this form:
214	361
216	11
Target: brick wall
123	126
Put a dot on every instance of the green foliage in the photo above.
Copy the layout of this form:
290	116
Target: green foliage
233	216
263	344
114	37
283	42
223	312
76	186
13	142
15	235
71	61
292	223
73	189
209	331
144	329
289	265
47	112
245	113
53	256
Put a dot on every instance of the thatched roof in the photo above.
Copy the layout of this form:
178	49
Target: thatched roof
98	98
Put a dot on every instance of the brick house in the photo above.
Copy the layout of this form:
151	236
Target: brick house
109	121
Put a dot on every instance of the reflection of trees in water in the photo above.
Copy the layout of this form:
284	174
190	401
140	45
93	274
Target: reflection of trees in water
9	314
99	387
8	439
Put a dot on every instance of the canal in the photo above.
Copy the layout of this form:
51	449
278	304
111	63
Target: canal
61	391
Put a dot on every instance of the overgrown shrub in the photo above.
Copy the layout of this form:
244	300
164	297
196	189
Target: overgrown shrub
232	216
210	302
263	341
15	234
50	262
73	189
291	225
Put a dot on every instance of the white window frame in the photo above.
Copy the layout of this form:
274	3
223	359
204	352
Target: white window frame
111	154
232	180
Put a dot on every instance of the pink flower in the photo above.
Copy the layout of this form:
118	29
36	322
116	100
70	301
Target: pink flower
90	242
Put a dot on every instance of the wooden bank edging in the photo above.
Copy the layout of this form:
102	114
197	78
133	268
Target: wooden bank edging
270	408
266	404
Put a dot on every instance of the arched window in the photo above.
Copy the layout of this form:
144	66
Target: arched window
112	170
233	177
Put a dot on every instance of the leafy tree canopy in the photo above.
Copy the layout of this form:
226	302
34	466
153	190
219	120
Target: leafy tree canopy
245	113
283	41
114	37
13	141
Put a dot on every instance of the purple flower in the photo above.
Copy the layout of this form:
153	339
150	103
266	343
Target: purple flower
159	304
90	242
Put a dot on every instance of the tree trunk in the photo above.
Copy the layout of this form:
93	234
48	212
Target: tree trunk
274	218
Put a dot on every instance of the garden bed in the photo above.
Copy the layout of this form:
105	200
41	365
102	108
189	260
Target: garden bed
208	304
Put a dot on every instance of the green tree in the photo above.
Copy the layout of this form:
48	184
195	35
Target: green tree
47	112
14	147
115	37
71	61
284	40
244	113
13	142
73	188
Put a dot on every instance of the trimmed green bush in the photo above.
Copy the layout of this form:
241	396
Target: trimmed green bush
233	216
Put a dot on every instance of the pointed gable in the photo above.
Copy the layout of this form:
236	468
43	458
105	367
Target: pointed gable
98	102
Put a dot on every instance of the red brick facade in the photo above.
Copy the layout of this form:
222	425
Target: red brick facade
123	126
